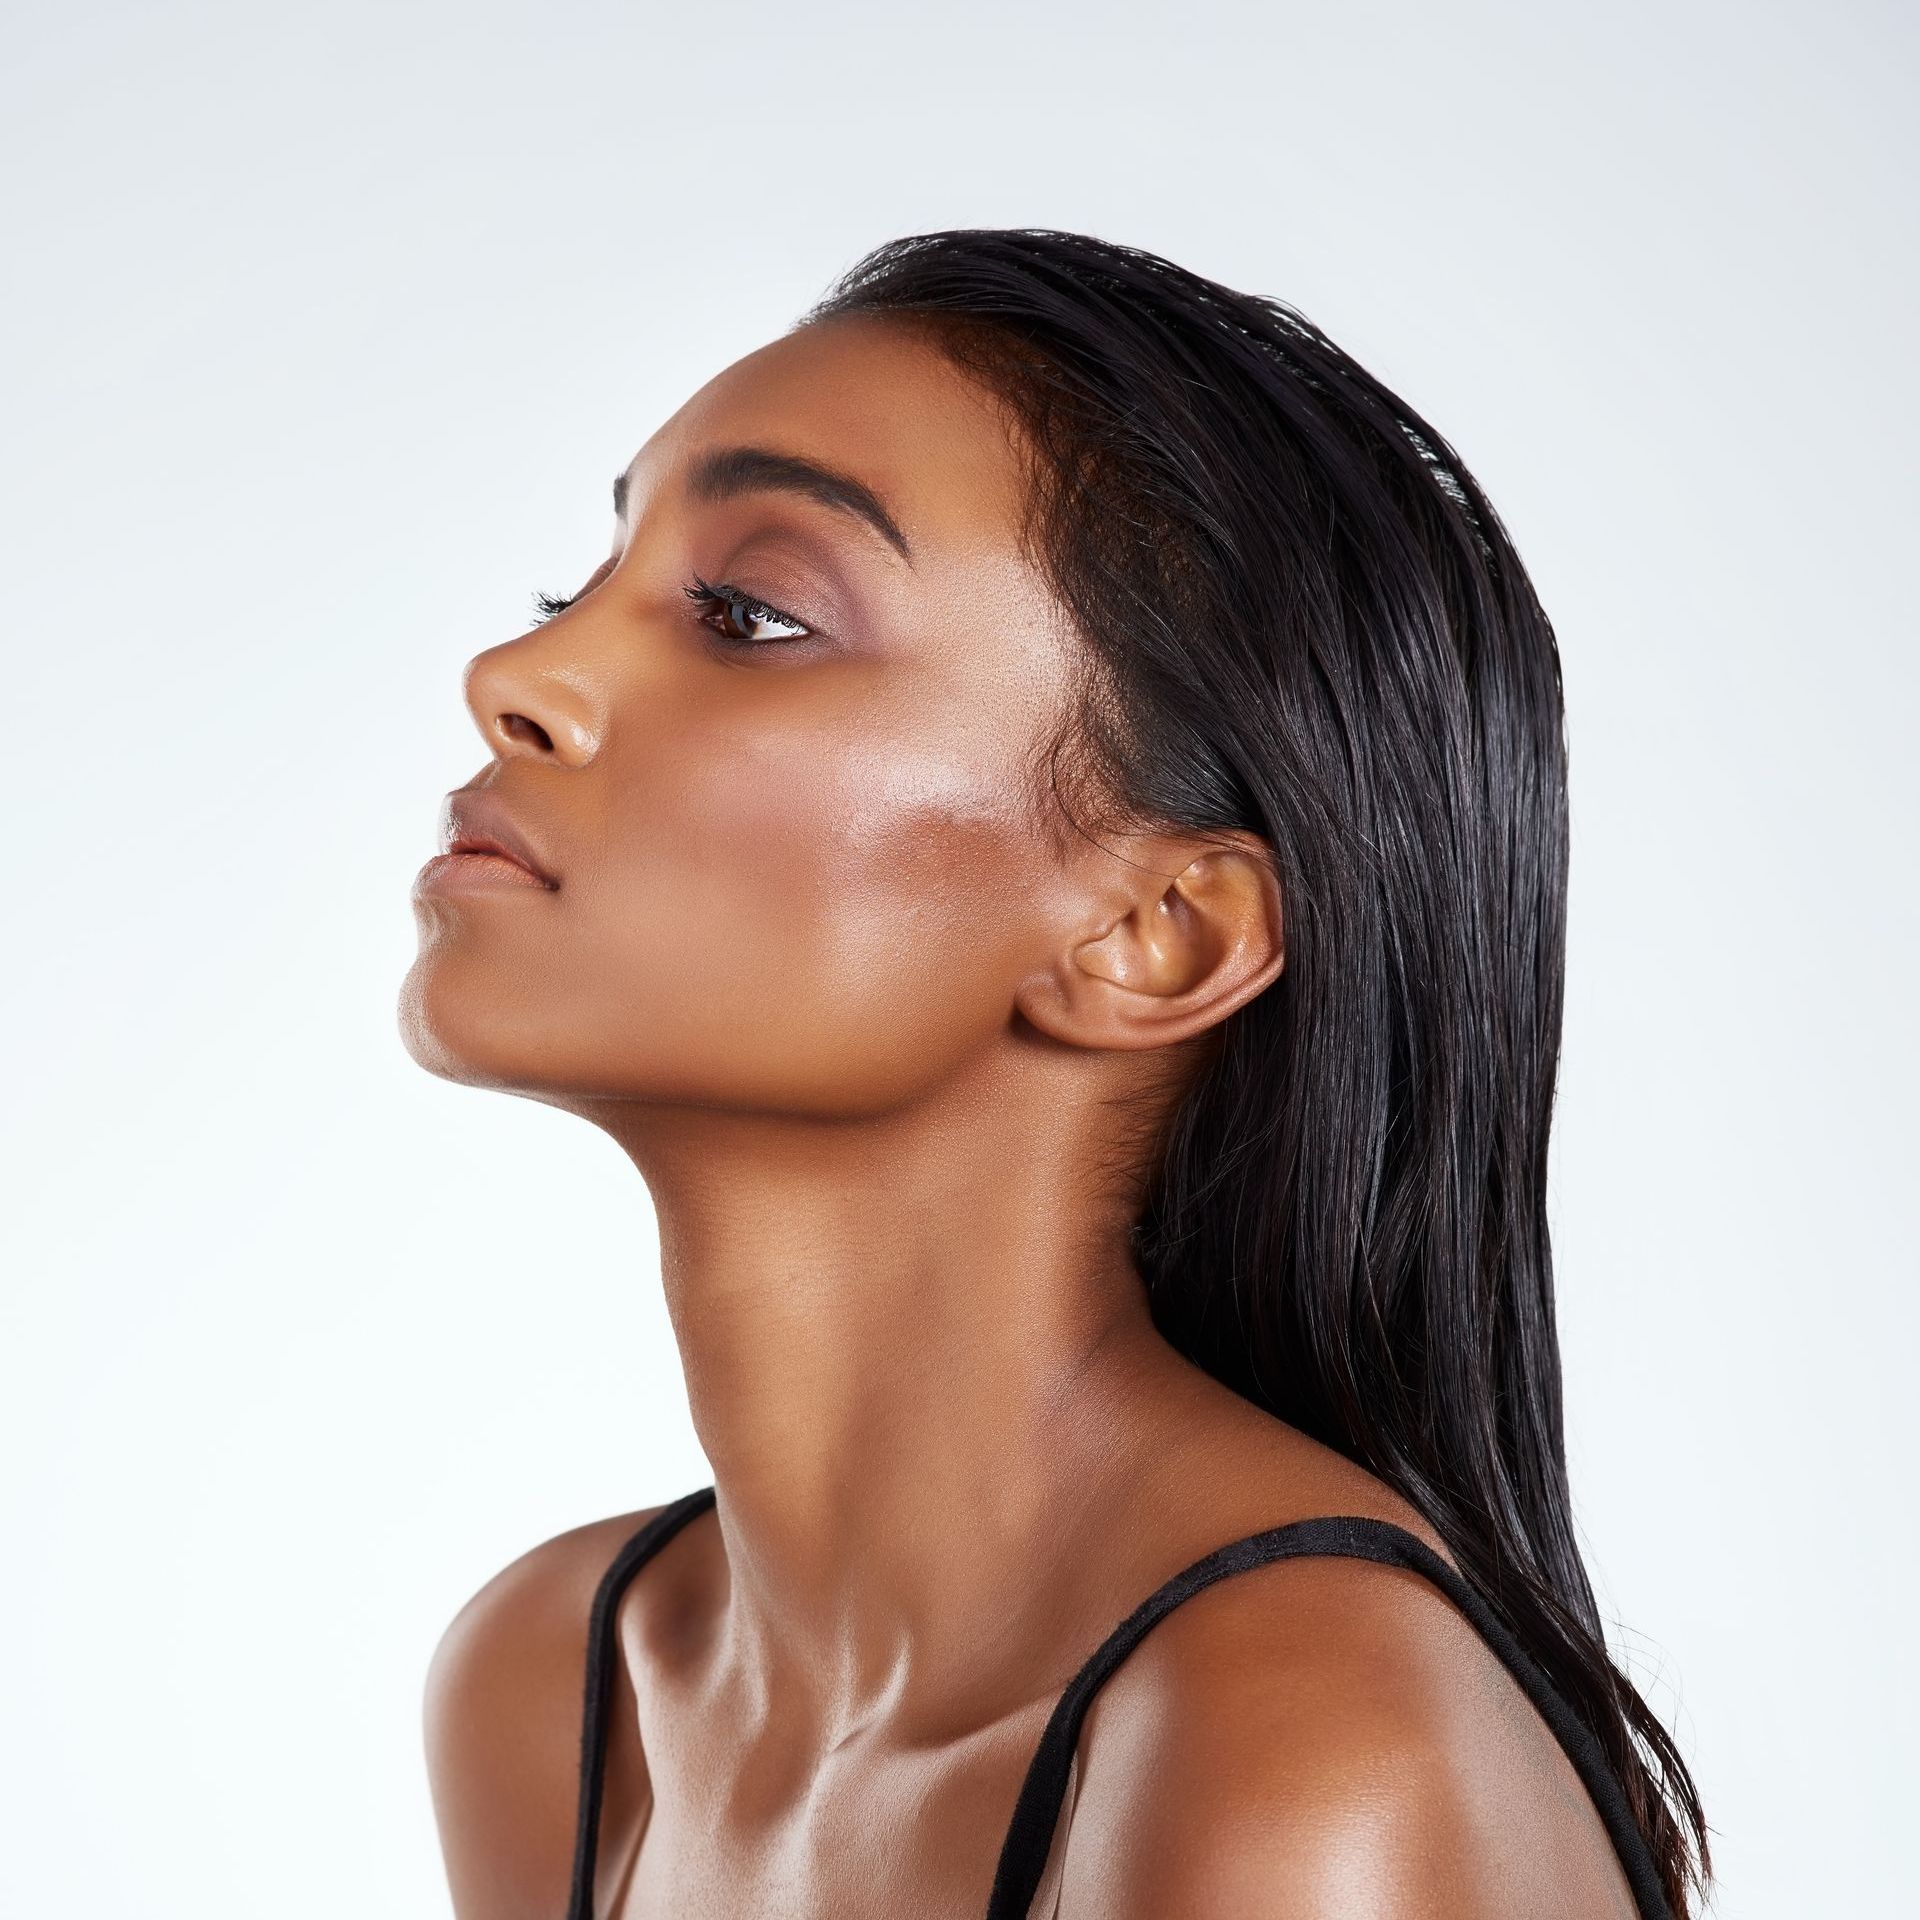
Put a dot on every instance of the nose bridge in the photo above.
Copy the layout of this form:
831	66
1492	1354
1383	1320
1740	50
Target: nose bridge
535	698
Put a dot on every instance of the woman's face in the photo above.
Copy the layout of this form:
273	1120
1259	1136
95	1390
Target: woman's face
798	862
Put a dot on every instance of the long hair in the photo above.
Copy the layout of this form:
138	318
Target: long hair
1303	619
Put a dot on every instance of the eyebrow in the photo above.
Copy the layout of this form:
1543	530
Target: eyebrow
723	473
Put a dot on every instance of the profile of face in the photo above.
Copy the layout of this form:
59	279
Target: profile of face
780	759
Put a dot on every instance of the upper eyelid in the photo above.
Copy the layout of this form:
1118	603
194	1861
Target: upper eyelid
729	594
816	557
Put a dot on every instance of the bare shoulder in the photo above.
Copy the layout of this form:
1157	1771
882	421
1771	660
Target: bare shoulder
1323	1737
502	1713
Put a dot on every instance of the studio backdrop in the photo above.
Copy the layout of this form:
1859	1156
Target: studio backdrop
328	326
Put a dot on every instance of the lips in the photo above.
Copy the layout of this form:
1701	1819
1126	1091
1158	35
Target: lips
472	821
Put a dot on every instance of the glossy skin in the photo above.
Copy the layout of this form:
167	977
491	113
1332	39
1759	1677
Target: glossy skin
862	1014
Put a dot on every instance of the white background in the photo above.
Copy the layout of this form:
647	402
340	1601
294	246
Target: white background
330	325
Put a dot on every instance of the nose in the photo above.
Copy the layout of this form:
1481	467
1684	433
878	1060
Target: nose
530	703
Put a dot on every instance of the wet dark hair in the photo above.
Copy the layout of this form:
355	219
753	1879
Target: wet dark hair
1304	620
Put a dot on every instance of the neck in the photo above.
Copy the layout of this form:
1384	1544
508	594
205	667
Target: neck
920	1363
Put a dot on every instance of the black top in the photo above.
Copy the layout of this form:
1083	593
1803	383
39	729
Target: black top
1023	1855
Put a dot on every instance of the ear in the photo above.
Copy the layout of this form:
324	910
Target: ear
1188	932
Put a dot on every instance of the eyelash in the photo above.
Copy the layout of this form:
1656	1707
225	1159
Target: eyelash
715	600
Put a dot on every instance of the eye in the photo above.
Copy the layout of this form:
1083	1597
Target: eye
739	617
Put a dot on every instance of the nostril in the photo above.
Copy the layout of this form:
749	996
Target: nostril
517	728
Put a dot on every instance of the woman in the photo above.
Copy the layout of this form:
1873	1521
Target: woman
1044	842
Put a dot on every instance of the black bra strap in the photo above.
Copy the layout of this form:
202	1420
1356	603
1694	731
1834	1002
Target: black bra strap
1029	1839
599	1698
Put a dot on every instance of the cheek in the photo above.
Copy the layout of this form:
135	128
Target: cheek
823	922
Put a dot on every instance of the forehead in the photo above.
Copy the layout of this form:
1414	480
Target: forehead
871	398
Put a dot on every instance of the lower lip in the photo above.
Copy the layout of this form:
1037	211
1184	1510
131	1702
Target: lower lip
476	873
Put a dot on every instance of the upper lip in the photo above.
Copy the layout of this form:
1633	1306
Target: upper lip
472	821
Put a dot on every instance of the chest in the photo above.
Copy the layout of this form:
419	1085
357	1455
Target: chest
727	1834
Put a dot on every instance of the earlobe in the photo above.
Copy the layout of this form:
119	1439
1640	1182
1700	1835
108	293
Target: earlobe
1178	956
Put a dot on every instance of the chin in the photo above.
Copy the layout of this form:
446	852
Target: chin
460	1029
455	1035
424	1031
